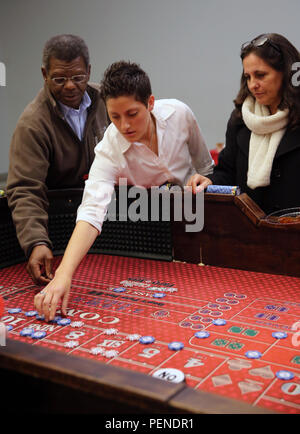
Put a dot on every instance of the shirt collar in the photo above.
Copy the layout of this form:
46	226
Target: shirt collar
85	103
162	112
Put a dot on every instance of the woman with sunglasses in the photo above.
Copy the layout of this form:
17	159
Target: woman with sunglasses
262	150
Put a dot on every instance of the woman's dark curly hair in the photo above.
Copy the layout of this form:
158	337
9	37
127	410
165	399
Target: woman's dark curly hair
125	78
280	54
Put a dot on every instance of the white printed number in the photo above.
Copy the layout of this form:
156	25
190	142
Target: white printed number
296	336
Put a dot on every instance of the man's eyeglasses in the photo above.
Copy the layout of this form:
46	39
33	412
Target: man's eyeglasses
77	79
262	40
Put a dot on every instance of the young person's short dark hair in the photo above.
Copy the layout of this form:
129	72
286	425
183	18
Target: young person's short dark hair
280	54
125	78
66	48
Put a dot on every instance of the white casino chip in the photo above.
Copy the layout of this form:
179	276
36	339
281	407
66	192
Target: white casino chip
77	324
111	331
134	337
111	353
71	344
97	350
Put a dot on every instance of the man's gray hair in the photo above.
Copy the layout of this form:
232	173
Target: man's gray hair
66	48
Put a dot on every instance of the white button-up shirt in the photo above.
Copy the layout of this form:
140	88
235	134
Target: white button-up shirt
181	153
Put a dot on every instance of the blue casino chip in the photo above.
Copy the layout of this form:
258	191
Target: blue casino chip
64	321
27	331
253	354
147	339
38	334
55	319
120	289
31	313
159	295
285	375
279	335
40	317
9	328
202	334
14	310
175	346
224	189
219	322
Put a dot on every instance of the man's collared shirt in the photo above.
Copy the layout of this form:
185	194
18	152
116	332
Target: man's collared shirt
76	118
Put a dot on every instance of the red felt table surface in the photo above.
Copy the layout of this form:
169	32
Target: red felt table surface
254	306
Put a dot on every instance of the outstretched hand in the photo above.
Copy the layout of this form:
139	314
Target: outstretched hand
47	300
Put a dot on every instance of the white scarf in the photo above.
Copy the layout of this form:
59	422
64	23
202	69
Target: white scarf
266	132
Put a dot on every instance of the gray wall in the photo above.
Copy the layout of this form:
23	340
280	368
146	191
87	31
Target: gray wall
190	48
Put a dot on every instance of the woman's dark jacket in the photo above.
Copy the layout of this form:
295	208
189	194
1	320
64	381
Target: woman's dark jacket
284	189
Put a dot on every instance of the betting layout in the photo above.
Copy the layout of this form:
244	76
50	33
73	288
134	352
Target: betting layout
229	332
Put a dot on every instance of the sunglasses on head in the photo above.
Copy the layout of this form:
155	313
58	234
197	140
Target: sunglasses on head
259	42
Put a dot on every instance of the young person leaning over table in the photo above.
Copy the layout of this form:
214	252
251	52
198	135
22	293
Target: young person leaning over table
262	150
148	142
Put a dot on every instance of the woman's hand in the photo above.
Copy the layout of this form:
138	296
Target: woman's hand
198	182
46	301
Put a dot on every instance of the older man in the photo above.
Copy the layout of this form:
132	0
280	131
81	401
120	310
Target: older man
53	146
